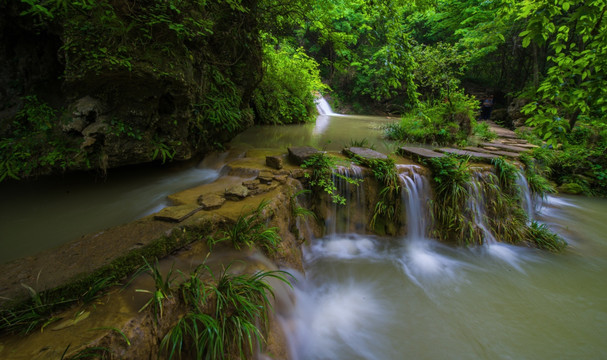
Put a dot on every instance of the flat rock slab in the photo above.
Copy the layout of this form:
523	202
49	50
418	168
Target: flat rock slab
504	147
236	193
299	154
364	153
211	201
476	155
493	151
419	153
177	213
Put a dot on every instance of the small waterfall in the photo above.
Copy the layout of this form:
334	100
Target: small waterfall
476	206
415	196
323	107
527	202
351	217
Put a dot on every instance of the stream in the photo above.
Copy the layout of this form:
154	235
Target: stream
368	297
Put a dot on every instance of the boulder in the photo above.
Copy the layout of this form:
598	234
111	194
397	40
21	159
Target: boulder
274	162
236	193
299	154
211	201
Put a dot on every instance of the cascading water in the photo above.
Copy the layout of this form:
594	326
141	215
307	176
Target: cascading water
323	107
416	197
527	200
347	218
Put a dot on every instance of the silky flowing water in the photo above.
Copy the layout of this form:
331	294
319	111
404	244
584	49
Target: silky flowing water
367	297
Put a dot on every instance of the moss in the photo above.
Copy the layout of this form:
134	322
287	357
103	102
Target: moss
571	188
86	287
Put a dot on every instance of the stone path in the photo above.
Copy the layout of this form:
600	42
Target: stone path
507	144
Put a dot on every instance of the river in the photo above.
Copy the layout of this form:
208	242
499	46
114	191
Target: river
366	297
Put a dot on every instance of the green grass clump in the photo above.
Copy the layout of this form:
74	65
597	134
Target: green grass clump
322	175
250	230
225	317
543	238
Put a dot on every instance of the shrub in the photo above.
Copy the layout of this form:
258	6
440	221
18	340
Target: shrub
285	95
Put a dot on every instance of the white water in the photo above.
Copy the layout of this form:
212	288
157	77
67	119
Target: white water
323	107
366	297
527	201
416	196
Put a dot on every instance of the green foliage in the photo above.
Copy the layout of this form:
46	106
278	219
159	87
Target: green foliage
451	176
482	131
543	238
285	95
250	230
162	292
506	174
322	176
388	204
240	305
572	90
439	122
221	106
34	142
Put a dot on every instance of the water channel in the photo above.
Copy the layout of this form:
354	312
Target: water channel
367	297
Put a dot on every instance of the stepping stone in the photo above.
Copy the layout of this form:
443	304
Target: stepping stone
493	151
364	153
504	147
274	162
236	193
419	153
265	177
525	145
473	154
177	213
299	154
211	201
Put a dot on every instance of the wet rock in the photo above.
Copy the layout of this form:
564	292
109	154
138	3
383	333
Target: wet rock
77	125
500	146
177	213
251	184
264	188
365	153
211	201
493	151
236	193
274	162
299	154
473	154
281	178
94	129
418	153
297	173
265	177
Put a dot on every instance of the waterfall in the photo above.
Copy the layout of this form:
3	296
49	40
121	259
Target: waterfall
527	202
351	217
323	107
476	206
415	196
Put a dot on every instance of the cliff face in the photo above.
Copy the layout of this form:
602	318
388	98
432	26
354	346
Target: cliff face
127	83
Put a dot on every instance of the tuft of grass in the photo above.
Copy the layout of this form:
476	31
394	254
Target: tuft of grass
250	230
162	292
237	304
362	143
506	175
543	238
322	176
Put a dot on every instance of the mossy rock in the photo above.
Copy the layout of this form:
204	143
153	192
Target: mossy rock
571	188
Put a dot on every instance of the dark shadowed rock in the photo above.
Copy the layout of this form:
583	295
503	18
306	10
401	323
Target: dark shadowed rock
299	154
274	162
265	177
211	201
236	193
